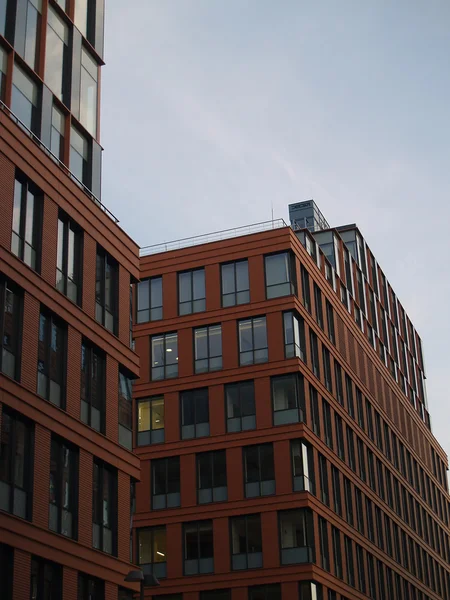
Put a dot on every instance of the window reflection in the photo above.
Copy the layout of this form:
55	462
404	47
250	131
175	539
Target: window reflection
88	92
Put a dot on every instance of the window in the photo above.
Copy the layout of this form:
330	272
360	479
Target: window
152	551
302	466
348	543
259	470
25	100
27	223
93	369
104	508
194	413
150	421
15	464
327	369
318	305
164	356
80	157
253	341
212	477
57	57
309	590
359	404
246	542
6	570
85	18
348	501
191	292
328	433
323	474
330	321
306	290
165	482
149	300
296	531
90	588
339	385
294	335
46	580
10	329
336	537
57	133
241	410
235	283
51	359
208	348
339	436
314	353
88	92
315	419
359	510
63	488
288	398
212	595
350	402
3	63
68	264
265	592
323	539
106	290
360	568
361	459
198	548
125	410
370	429
351	449
280	275
336	480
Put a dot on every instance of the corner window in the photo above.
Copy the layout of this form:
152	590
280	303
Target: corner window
198	548
253	341
10	329
88	92
191	292
51	359
106	290
297	537
57	57
16	464
302	466
150	421
46	579
152	551
164	356
125	410
288	397
208	348
63	506
90	588
212	477
104	508
241	410
80	157
93	370
27	223
165	482
294	335
68	263
280	275
246	542
259	470
235	283
25	100
149	300
194	414
265	592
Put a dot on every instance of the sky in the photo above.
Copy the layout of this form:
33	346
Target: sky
216	112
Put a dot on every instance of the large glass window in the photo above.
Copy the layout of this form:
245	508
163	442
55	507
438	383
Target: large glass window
294	335
191	292
280	275
46	580
241	410
149	300
265	592
25	100
259	470
68	263
51	359
125	410
198	548
297	537
93	365
104	508
106	290
212	477
90	588
3	60
208	348
246	542
164	356
253	341
32	32
27	223
152	551
80	157
165	482
15	464
194	413
57	56
63	493
10	328
288	398
88	92
302	466
235	283
150	420
58	133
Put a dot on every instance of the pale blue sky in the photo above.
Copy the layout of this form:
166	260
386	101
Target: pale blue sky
213	111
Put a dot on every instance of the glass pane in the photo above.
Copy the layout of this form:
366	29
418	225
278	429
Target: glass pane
88	92
156	292
144	546
171	349
201	343
158	413
242	276
259	332
187	409
277	269
20	455
157	351
144	415
198	284
159	545
143	298
184	287
215	341
284	391
245	336
57	39
228	284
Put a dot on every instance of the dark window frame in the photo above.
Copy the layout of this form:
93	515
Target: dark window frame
45	363
59	446
90	351
46	579
154	438
206	567
11	303
170	370
105	261
70	227
157	568
125	409
19	237
294	322
213	362
191	302
291	283
269	481
201	428
158	309
250	419
168	499
213	493
296	413
246	560
235	301
98	506
262	349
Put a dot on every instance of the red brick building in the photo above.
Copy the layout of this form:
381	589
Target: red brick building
66	464
282	424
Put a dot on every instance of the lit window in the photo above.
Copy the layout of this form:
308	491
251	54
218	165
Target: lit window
164	356
150	421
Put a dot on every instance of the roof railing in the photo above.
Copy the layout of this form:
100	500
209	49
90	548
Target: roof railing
64	167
